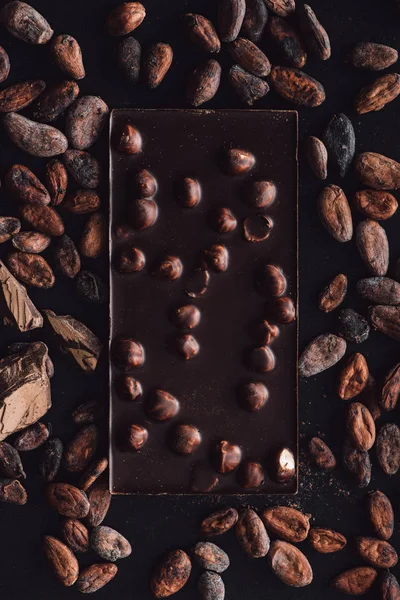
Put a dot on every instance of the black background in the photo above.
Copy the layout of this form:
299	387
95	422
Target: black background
155	524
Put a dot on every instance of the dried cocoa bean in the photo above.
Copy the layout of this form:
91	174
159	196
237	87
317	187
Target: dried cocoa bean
202	32
109	544
333	294
375	204
32	437
95	577
84	168
55	100
370	398
204	83
12	492
355	581
86	413
335	213
379	290
297	87
10	462
378	171
360	426
31	241
92	474
99	498
171	574
369	55
248	87
358	464
51	459
230	18
211	557
352	326
386	319
26	186
287	523
130	58
211	586
378	553
250	57
381	514
326	541
314	34
340	141
62	560
388	448
373	246
157	64
67	500
321	354
389	586
219	522
81	449
5	64
81	202
56	181
255	20
75	535
251	534
68	56
125	18
85	122
317	155
289	564
9	227
376	95
20	95
26	23
34	138
353	377
67	257
90	287
94	236
31	269
391	389
288	42
321	454
282	8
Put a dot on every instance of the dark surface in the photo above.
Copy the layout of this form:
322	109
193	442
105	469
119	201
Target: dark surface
178	144
154	525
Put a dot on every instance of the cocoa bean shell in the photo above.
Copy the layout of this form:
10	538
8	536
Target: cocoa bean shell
99	502
333	293
355	581
230	18
358	464
250	57
286	523
67	257
75	535
9	227
321	454
391	389
81	449
317	155
353	377
388	448
51	459
378	553
125	18
288	42
373	246
31	269
326	541
157	63
68	55
95	577
386	319
211	557
315	36
171	574
289	564
360	426
335	213
297	87
372	56
109	544
94	236
251	534
26	186
204	83
219	522
376	204
130	58
34	138
4	65
67	500
32	437
376	95
33	242
55	100
56	181
10	462
321	354
85	121
379	290
26	23
248	87
84	168
255	20
377	171
340	141
62	560
282	8
202	32
381	514
12	492
20	95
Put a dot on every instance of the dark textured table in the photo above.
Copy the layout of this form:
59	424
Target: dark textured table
153	524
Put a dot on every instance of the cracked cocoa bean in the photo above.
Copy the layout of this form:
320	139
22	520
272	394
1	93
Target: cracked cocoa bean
219	522
333	294
248	87
335	213
353	377
376	204
326	541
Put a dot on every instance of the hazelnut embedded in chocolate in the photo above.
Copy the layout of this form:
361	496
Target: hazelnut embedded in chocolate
281	310
238	161
262	359
188	192
283	466
187	346
187	316
257	228
144	184
127	354
161	406
265	332
223	220
216	257
128	388
128	259
226	456
260	194
197	284
271	281
252	395
250	475
143	213
203	479
184	439
128	140
136	436
169	268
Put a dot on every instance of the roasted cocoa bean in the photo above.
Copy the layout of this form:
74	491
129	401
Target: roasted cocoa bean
250	57
211	586
62	560
67	500
372	56
125	18
391	389
81	202
286	523
288	42
230	18
34	138
353	377
376	95
92	473
171	574
387	320
75	535
109	544
211	557
335	213
389	586
5	64
251	534
340	141
30	241
68	56
32	437
67	257
355	581
31	269
20	95
388	448
378	553
55	100
248	87
315	36
81	449
282	8
289	564
99	499
321	354
378	171
381	514
352	326
10	462
379	290
202	32
94	236
297	87
317	155
219	522
56	181
358	464
360	426
26	186
157	63
130	58
85	122
321	454
95	577
375	204
86	413
12	492
84	168
333	294
90	287
9	227
326	541
204	83
373	246
51	459
255	20
370	398
26	23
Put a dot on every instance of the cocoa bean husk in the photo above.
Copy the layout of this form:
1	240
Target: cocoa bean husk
333	293
219	522
376	204
353	377
326	541
12	492
81	202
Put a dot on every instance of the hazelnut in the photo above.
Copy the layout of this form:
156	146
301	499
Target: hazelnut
216	257
127	354
203	479
265	332
250	474
162	406
284	466
226	456
253	395
282	310
223	220
188	192
128	388
260	194
170	268
143	213
238	161
129	140
187	316
271	281
129	259
262	359
187	346
144	184
136	436
184	439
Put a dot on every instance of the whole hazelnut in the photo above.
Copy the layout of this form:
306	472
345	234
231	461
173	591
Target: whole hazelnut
265	332
271	281
187	316
144	184
226	456
223	220
250	474
128	259
188	192
216	257
136	436
187	346
170	268
161	406
184	439
127	354
282	310
260	194
253	395
262	359
128	140
238	161
128	388
143	213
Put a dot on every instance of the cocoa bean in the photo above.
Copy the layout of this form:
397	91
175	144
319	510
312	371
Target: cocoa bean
372	244
378	171
211	557
282	8
250	57
375	204
314	34
56	181
379	290
288	42
297	87
388	448
369	55
125	18
90	287
381	514
81	449
109	544
230	18
12	492
317	155
32	437
10	462
81	202
352	326
55	100
202	32
248	87
84	168
287	523
204	83
370	398
86	413
340	141
9	227
85	121
67	500
92	474
335	213
20	95
219	522
31	269
26	23
255	20
389	586
130	58
99	498
386	319
321	454
358	464
321	354
31	241
333	294
67	257
5	64
251	534
62	560
378	553
211	586
391	389
26	186
68	56
360	426
355	581
376	95
94	236
326	541
171	574
289	564
34	138
157	63
95	577
353	377
51	459
75	535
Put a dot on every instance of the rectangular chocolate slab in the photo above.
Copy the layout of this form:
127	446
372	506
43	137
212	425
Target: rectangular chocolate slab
190	143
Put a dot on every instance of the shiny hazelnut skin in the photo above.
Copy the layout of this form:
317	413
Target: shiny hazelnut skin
127	354
223	220
216	257
250	475
128	388
265	332
271	281
260	194
161	406
184	439
282	310
262	359
188	192
128	259
187	316
129	140
170	268
238	161
136	437
252	395
144	184
143	213
226	456
283	465
187	346
203	479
